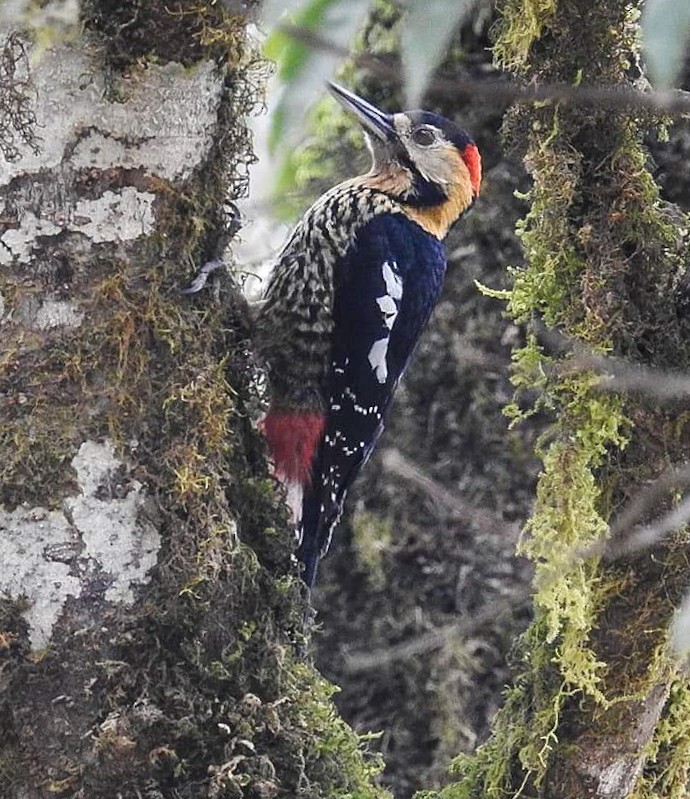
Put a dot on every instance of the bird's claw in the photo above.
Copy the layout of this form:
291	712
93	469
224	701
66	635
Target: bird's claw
203	275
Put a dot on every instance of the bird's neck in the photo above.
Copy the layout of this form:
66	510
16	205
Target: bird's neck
388	178
435	218
438	219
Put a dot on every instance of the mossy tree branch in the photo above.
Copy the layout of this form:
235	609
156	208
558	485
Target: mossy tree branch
599	707
150	608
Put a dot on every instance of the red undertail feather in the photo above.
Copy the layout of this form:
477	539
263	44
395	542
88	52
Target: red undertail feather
293	438
473	160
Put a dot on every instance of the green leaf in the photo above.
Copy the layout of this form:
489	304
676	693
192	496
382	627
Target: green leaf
305	70
427	28
289	54
665	31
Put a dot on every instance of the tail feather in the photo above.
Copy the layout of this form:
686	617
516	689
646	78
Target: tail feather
293	441
323	500
316	528
311	546
316	484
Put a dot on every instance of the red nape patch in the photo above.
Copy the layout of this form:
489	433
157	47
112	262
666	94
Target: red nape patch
292	440
473	160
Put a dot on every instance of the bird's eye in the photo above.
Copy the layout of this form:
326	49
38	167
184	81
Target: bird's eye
423	136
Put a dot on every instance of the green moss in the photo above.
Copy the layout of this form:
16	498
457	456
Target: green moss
598	245
36	466
552	263
314	711
522	22
372	537
135	31
668	765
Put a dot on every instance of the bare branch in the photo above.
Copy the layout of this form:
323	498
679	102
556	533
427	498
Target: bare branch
620	375
673	478
626	536
394	462
435	639
650	534
499	92
616	374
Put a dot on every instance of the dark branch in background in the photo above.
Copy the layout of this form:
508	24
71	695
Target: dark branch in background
650	534
488	522
435	639
670	103
628	532
616	374
621	376
674	478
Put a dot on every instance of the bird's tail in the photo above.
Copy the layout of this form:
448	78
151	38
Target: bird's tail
311	543
321	511
293	438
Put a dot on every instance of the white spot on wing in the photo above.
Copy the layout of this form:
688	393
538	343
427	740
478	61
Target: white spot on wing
377	359
389	309
389	304
392	280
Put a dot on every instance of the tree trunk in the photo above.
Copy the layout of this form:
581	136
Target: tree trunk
599	706
150	608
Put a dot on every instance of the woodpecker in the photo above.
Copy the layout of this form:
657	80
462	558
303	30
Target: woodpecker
350	294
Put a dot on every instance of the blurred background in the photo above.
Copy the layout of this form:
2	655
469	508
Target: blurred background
430	528
422	597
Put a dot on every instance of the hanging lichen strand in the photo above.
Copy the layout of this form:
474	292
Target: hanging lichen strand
592	693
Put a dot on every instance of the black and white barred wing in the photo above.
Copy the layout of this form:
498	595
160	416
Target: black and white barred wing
384	293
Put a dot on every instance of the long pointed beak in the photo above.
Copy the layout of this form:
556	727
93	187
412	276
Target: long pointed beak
371	119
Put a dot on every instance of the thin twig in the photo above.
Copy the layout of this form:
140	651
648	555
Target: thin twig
435	639
499	92
617	544
672	478
622	376
616	374
650	534
394	462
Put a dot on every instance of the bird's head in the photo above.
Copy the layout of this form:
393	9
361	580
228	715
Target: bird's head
422	159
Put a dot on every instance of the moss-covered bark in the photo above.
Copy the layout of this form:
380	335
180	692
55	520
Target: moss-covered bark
193	686
598	697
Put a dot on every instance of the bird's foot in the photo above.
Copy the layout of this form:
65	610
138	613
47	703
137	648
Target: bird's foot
203	274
